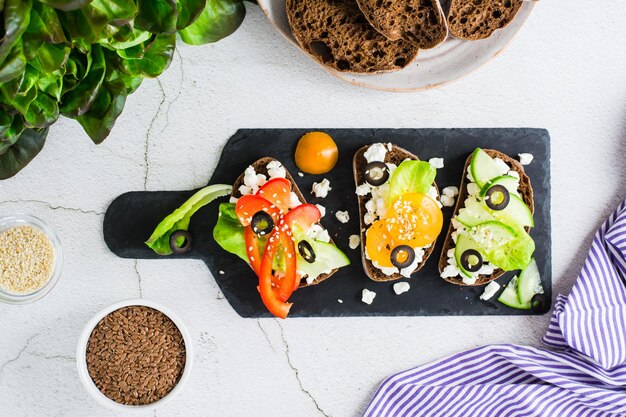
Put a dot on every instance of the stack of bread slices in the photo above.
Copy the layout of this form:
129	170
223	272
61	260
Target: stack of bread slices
372	36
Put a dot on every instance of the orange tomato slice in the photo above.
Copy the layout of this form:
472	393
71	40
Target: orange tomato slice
415	220
379	243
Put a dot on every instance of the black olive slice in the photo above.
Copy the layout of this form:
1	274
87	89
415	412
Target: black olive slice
262	223
185	246
376	173
539	304
402	252
471	260
497	197
306	251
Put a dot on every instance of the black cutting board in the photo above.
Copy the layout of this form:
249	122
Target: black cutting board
132	217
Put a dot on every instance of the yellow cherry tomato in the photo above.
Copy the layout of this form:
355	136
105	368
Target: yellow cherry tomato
379	243
316	153
415	220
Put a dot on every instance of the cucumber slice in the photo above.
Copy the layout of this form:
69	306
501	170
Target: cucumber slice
327	257
529	283
509	182
492	234
509	296
463	243
517	213
474	213
483	168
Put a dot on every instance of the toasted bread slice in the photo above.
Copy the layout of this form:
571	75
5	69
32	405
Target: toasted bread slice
421	22
526	194
479	19
395	156
260	166
337	34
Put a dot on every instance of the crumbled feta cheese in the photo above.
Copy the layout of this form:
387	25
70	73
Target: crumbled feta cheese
389	147
233	200
525	158
276	170
450	253
401	287
450	271
486	269
387	270
343	216
490	290
363	189
249	177
294	200
419	256
432	192
469	281
310	279
436	162
354	242
513	174
300	174
321	189
454	235
369	218
322	209
340	301
222	272
245	190
447	201
370	205
450	191
503	166
367	296
317	232
473	188
375	153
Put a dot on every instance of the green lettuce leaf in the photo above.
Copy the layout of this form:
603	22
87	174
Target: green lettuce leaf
219	19
411	177
17	156
181	217
515	254
228	231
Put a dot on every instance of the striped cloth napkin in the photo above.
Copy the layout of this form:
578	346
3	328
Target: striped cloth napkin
583	374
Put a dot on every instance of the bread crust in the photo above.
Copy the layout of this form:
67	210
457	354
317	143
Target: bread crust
396	156
337	34
526	193
260	166
421	22
479	19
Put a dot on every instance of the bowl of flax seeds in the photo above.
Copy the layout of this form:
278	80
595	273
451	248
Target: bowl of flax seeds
134	355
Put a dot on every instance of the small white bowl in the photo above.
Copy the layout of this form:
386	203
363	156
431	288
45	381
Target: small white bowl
15	220
81	357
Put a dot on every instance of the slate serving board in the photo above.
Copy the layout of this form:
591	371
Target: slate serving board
132	217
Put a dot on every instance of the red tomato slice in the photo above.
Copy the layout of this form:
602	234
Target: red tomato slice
303	217
278	192
248	205
273	297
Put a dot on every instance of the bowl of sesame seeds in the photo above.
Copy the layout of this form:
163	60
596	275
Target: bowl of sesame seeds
31	259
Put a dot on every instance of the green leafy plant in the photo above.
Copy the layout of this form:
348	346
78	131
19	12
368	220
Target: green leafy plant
82	58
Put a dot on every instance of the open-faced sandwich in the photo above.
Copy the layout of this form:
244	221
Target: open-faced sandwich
488	234
399	208
269	225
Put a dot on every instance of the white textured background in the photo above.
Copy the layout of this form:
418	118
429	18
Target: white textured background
565	72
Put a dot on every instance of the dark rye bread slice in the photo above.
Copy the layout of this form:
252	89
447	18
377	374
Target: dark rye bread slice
395	156
337	34
478	19
421	22
526	193
260	166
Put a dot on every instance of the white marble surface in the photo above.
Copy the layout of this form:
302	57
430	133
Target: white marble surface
564	72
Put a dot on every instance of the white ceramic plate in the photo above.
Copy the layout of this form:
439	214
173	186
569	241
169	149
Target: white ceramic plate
433	68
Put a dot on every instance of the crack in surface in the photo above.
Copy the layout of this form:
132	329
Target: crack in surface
180	91
19	354
296	371
52	357
138	278
148	133
53	207
267	338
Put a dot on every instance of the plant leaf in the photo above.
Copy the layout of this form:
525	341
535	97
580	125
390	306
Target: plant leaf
188	12
157	16
78	101
66	4
100	119
16	16
157	56
17	156
219	19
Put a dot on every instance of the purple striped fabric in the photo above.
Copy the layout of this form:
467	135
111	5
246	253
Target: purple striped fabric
583	374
